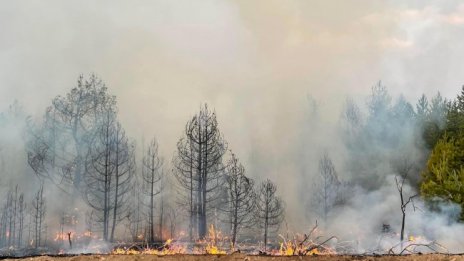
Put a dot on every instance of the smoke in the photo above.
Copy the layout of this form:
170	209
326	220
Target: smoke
277	74
360	222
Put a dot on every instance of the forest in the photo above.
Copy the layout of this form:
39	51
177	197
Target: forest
74	181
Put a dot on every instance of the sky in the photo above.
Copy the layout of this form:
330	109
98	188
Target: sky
255	62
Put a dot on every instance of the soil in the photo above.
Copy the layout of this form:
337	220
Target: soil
242	257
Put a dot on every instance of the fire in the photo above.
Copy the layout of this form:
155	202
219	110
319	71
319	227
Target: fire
214	250
168	248
217	244
210	245
304	245
291	249
286	250
417	239
212	240
63	236
122	251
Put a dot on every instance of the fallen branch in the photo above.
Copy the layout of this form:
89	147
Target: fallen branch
319	245
408	249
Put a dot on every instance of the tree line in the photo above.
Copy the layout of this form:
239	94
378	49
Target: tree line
81	147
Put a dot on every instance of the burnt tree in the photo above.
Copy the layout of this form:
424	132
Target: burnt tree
57	147
151	176
325	188
162	205
241	197
12	219
124	167
38	216
403	167
110	171
198	166
269	211
184	172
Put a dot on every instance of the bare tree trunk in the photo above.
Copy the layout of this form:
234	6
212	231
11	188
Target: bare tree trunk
152	207
161	218
152	163
21	220
115	208
192	208
269	209
266	224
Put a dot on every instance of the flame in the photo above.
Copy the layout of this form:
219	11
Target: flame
62	236
302	246
214	250
211	243
315	251
290	249
168	249
417	239
207	246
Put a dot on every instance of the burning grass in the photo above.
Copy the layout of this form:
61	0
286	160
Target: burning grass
237	257
213	244
314	244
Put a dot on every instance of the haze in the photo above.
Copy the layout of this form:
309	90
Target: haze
256	62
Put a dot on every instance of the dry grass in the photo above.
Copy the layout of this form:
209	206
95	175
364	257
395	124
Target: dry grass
239	257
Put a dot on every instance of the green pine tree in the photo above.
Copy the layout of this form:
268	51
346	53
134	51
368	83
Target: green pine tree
444	177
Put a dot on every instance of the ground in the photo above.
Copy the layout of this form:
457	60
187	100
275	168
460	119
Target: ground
241	257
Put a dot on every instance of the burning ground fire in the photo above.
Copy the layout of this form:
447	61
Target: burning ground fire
65	236
309	244
212	245
216	244
313	243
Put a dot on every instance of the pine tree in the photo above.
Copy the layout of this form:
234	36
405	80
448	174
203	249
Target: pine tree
444	177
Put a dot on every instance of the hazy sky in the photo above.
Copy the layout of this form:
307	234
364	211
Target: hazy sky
255	62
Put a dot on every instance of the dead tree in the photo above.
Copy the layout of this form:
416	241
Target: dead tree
110	172
99	181
209	147
151	176
241	197
135	215
58	146
11	216
12	219
403	167
162	202
184	172
269	211
199	169
22	207
38	215
124	167
325	187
